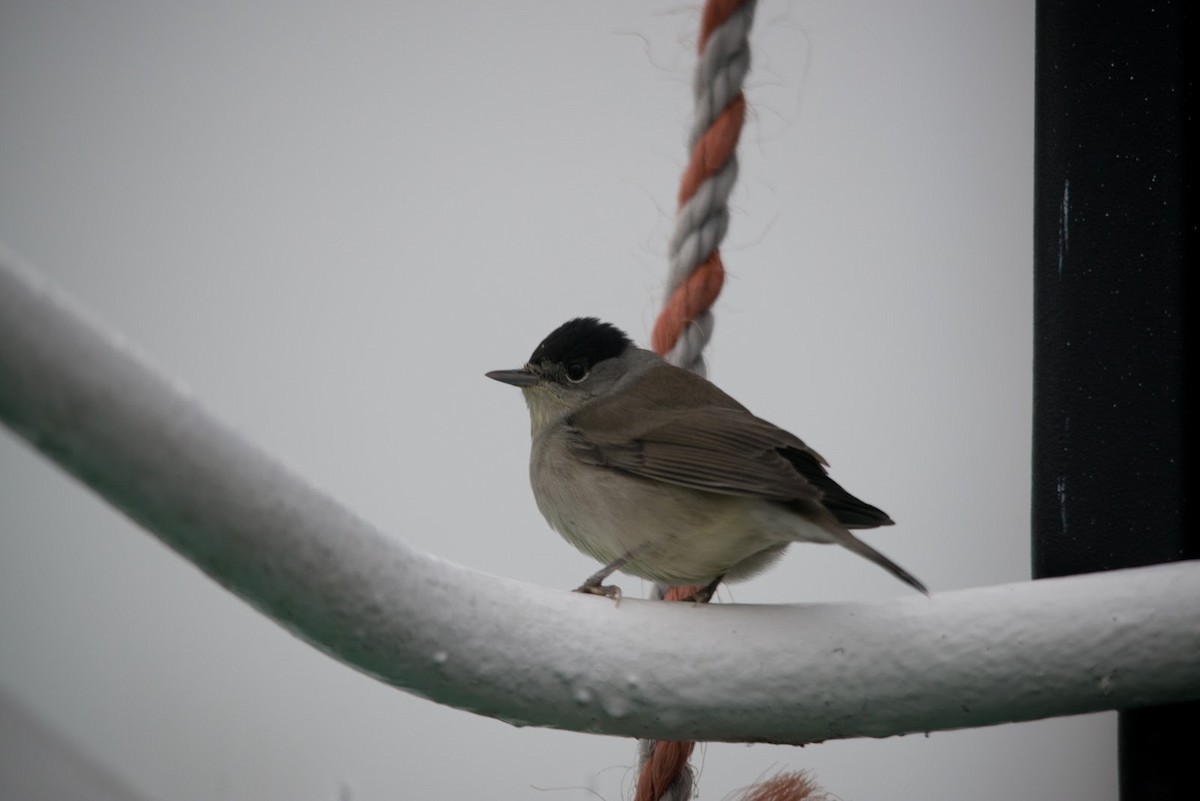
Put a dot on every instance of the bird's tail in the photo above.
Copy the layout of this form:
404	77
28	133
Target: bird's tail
848	540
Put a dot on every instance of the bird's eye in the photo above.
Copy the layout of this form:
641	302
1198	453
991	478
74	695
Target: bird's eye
576	372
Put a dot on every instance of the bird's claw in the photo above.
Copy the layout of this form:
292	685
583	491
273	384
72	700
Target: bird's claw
700	596
697	595
605	590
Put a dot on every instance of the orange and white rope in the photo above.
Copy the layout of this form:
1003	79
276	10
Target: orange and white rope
696	272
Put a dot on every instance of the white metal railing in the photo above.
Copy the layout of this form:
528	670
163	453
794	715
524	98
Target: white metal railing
528	655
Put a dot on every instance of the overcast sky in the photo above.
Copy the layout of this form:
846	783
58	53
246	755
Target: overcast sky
329	220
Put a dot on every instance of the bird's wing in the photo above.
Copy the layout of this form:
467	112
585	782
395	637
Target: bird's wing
728	451
709	442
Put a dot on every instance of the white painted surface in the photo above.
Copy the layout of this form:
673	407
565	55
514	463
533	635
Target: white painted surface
532	656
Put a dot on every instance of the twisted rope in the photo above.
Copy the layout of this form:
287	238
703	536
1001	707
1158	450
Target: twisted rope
696	275
696	272
665	773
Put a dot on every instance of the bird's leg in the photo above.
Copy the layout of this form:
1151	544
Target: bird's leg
705	593
595	583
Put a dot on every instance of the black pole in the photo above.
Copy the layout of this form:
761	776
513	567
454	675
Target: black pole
1115	230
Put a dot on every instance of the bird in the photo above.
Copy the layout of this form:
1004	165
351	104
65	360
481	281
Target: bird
654	471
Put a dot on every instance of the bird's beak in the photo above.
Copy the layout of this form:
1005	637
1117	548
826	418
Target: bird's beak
518	378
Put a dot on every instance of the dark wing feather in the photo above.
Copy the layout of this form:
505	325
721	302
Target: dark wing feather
849	510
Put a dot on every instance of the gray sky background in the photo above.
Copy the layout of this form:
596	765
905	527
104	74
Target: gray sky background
328	220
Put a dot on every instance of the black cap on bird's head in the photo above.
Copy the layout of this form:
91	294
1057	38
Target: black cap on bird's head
575	346
584	339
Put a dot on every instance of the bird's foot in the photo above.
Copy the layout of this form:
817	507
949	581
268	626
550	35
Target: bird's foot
596	588
701	595
698	597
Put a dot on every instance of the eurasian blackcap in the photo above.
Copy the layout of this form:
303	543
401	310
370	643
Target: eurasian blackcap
654	471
